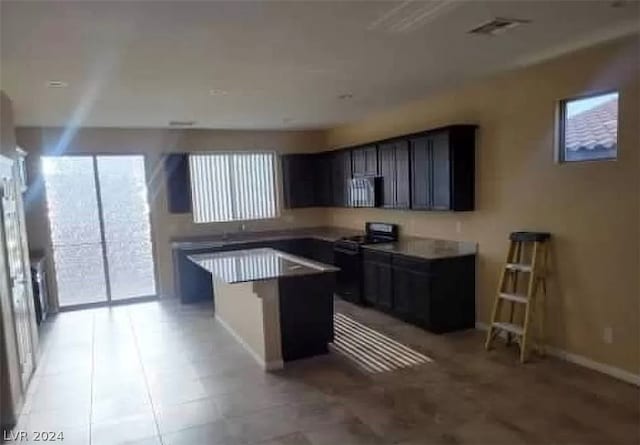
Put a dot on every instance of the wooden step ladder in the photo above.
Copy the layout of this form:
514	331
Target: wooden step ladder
528	253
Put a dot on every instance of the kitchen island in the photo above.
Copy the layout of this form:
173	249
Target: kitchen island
193	284
278	305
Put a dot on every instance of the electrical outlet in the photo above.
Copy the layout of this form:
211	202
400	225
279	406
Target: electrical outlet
458	227
607	335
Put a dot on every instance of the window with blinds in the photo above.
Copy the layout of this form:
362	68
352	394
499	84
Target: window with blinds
233	186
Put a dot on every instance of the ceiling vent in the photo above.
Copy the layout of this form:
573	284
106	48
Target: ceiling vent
182	123
498	26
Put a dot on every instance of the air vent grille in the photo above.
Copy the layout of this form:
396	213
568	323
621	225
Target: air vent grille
498	26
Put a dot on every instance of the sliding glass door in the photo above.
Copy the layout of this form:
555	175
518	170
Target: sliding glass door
76	236
100	230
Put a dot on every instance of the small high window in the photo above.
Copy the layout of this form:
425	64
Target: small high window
588	128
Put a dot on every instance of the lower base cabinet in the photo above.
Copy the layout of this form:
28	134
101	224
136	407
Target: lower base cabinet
411	296
306	324
437	295
378	280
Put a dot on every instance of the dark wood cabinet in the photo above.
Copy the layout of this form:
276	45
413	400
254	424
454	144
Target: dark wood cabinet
431	170
306	324
340	177
323	179
176	167
403	171
420	179
312	248
453	294
321	250
440	172
377	279
411	295
442	169
437	295
370	283
364	161
385	283
298	177
393	165
386	163
191	282
317	179
412	290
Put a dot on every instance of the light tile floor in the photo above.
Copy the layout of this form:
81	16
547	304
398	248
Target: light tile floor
165	373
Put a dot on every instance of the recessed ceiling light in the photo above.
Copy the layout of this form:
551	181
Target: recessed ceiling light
345	96
57	84
218	92
182	123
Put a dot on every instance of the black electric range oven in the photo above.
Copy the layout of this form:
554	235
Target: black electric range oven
348	257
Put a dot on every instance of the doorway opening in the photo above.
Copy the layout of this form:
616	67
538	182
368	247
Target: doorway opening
99	221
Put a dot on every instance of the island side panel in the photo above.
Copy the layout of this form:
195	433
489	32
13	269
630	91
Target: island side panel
269	294
306	315
239	309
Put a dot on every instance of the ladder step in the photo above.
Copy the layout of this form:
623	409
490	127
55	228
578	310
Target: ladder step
514	297
509	327
519	267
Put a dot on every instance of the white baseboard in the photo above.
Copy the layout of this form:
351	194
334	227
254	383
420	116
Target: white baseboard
580	360
268	366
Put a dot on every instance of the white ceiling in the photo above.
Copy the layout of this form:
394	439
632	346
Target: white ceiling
279	64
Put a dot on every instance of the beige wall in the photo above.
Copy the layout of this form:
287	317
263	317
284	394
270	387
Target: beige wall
592	208
153	143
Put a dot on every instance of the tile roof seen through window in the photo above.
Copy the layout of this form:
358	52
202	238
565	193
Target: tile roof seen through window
595	128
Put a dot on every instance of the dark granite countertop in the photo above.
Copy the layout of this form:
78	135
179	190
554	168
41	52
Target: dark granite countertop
426	248
238	266
324	233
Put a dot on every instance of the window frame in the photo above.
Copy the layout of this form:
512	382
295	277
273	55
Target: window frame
229	153
560	125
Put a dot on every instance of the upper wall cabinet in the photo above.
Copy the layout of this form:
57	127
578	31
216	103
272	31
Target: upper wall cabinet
364	161
393	166
324	179
340	176
316	180
176	167
430	170
442	169
298	180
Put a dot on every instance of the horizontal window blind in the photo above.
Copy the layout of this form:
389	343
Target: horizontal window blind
233	186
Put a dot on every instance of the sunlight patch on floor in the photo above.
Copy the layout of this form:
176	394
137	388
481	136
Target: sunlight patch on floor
371	350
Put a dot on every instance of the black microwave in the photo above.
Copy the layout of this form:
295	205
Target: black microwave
365	191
